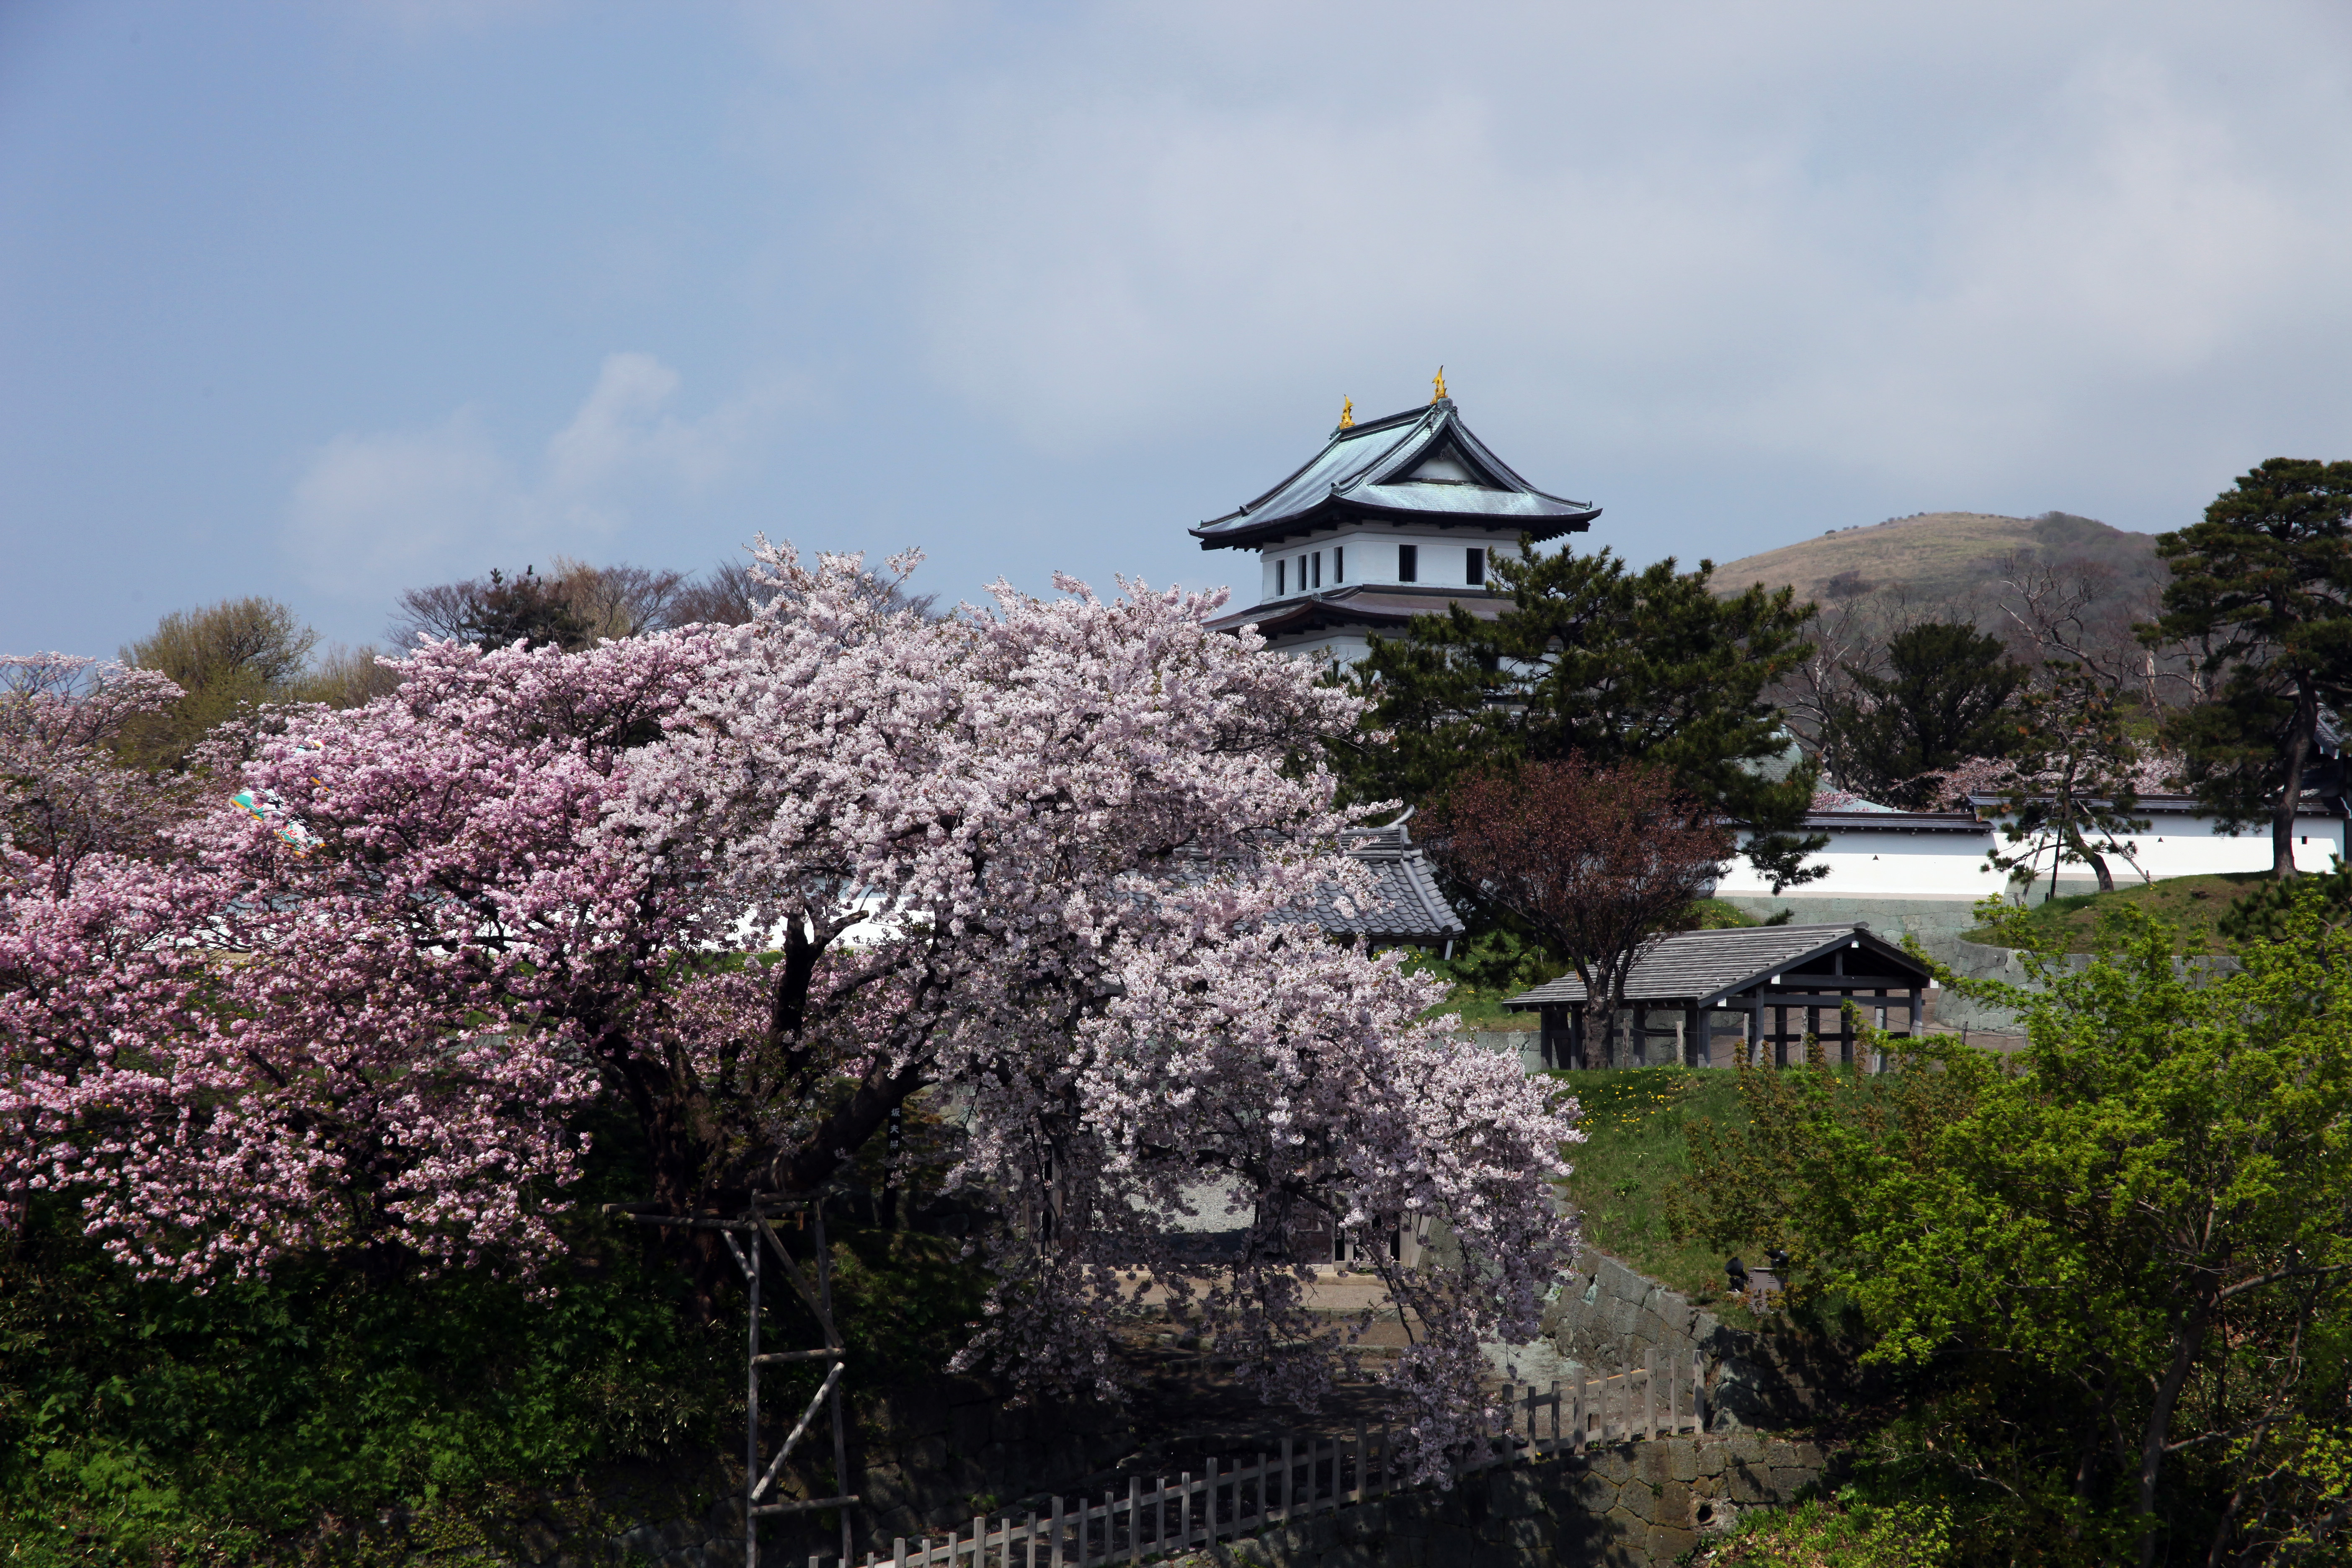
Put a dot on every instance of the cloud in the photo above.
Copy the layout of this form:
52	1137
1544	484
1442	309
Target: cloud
1971	251
399	507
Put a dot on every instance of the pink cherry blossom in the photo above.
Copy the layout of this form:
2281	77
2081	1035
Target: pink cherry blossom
1049	863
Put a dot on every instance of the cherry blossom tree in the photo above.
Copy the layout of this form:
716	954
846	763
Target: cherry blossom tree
1051	864
64	794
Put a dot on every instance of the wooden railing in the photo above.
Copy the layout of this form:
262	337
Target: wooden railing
1662	1396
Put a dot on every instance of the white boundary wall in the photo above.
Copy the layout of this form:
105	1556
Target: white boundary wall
1891	862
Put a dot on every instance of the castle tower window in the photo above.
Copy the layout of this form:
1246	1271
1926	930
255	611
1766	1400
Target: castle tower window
1319	569
1302	573
1408	563
1477	572
1281	573
1338	564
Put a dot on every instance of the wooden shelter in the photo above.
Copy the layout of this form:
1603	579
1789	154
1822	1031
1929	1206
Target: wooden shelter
1773	982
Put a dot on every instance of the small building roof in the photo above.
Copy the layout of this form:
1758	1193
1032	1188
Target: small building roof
1705	968
1407	905
1422	466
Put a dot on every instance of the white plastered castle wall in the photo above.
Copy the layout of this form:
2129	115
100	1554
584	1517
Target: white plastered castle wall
1864	862
1371	555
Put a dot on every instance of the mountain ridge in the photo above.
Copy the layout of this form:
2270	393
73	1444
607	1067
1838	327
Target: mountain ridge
1940	555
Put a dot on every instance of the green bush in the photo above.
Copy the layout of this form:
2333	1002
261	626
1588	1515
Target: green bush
146	1420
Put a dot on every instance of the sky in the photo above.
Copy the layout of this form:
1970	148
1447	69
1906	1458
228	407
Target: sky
323	301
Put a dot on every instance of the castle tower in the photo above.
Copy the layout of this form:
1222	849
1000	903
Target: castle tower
1394	518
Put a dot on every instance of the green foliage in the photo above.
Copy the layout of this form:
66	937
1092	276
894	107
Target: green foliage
255	1422
2118	1271
1849	1531
2262	590
525	609
2197	909
1597	660
1487	969
2267	910
150	1417
1940	703
227	659
1635	1153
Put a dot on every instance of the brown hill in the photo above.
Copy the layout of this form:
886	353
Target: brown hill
1939	556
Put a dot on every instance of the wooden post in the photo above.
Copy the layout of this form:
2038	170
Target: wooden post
1054	1558
1134	1519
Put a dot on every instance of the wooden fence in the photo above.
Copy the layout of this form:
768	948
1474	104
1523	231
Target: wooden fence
1662	1396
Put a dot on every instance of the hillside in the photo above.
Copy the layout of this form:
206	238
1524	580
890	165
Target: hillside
1938	554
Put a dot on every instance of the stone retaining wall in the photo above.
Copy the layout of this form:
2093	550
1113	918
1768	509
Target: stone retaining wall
1606	1315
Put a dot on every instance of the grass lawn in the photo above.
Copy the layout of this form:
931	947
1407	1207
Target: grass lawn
2192	906
1634	1150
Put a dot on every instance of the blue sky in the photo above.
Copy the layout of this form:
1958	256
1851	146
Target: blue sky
322	301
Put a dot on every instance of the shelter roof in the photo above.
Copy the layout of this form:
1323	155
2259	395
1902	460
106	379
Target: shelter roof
1702	968
1422	466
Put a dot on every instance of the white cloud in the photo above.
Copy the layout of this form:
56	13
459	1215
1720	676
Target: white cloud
1971	251
398	508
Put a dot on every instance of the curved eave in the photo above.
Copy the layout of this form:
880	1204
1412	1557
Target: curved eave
1387	612
1336	511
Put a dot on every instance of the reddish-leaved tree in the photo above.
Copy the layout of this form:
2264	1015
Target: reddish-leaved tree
1597	861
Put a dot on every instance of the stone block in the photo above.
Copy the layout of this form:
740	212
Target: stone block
1682	1459
1748	1483
1748	1448
1667	1542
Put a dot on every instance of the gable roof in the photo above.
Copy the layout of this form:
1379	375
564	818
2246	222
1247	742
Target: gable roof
1422	466
1702	968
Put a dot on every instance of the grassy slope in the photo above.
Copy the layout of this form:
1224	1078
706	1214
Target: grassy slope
1634	1150
2193	906
1940	555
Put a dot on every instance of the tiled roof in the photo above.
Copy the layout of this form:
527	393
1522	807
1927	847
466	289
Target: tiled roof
1382	606
1704	966
1406	902
1375	470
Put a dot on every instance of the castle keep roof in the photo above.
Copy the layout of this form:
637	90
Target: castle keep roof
1423	467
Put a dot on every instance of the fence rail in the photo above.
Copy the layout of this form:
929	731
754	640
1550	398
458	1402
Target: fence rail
1662	1396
